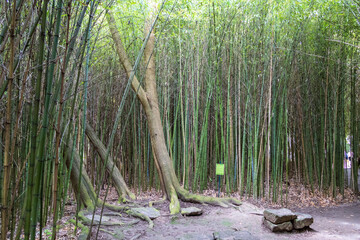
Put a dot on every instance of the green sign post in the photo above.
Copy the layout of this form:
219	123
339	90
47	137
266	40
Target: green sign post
219	172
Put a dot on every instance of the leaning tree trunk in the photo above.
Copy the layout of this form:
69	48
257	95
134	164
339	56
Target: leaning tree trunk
88	198
85	190
149	101
120	185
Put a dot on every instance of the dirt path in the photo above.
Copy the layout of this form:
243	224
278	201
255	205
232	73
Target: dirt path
341	222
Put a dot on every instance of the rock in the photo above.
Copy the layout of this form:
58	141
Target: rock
303	220
234	235
191	211
151	212
279	215
97	218
286	226
249	208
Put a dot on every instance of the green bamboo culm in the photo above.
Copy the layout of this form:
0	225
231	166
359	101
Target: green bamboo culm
84	104
267	88
5	190
31	199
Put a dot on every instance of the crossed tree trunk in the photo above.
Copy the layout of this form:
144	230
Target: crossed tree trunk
122	189
149	101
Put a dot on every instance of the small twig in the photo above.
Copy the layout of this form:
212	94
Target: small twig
259	214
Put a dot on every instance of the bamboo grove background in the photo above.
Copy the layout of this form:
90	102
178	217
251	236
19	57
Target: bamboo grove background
269	88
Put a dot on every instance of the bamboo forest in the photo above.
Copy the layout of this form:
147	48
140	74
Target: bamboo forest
117	117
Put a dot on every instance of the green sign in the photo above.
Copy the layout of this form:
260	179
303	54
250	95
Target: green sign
219	169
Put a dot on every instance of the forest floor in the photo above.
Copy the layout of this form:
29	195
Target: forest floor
337	222
340	222
334	218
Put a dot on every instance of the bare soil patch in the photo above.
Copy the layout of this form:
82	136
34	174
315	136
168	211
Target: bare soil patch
334	218
340	222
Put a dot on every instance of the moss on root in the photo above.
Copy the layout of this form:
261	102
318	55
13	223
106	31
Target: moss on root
196	198
151	203
190	197
84	229
141	216
174	203
130	212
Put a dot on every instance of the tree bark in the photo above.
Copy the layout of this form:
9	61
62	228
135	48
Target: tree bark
149	101
119	182
86	191
7	156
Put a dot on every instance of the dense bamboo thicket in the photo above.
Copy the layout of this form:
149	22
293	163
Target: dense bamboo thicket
268	88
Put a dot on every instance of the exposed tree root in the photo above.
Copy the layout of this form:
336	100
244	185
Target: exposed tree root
151	203
129	212
186	196
180	193
84	229
223	202
87	221
174	191
142	216
108	232
114	234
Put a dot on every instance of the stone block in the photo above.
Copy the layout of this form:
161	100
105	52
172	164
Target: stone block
285	226
302	221
277	216
191	211
97	218
151	212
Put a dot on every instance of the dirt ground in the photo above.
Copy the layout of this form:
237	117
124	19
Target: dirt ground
340	222
334	218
